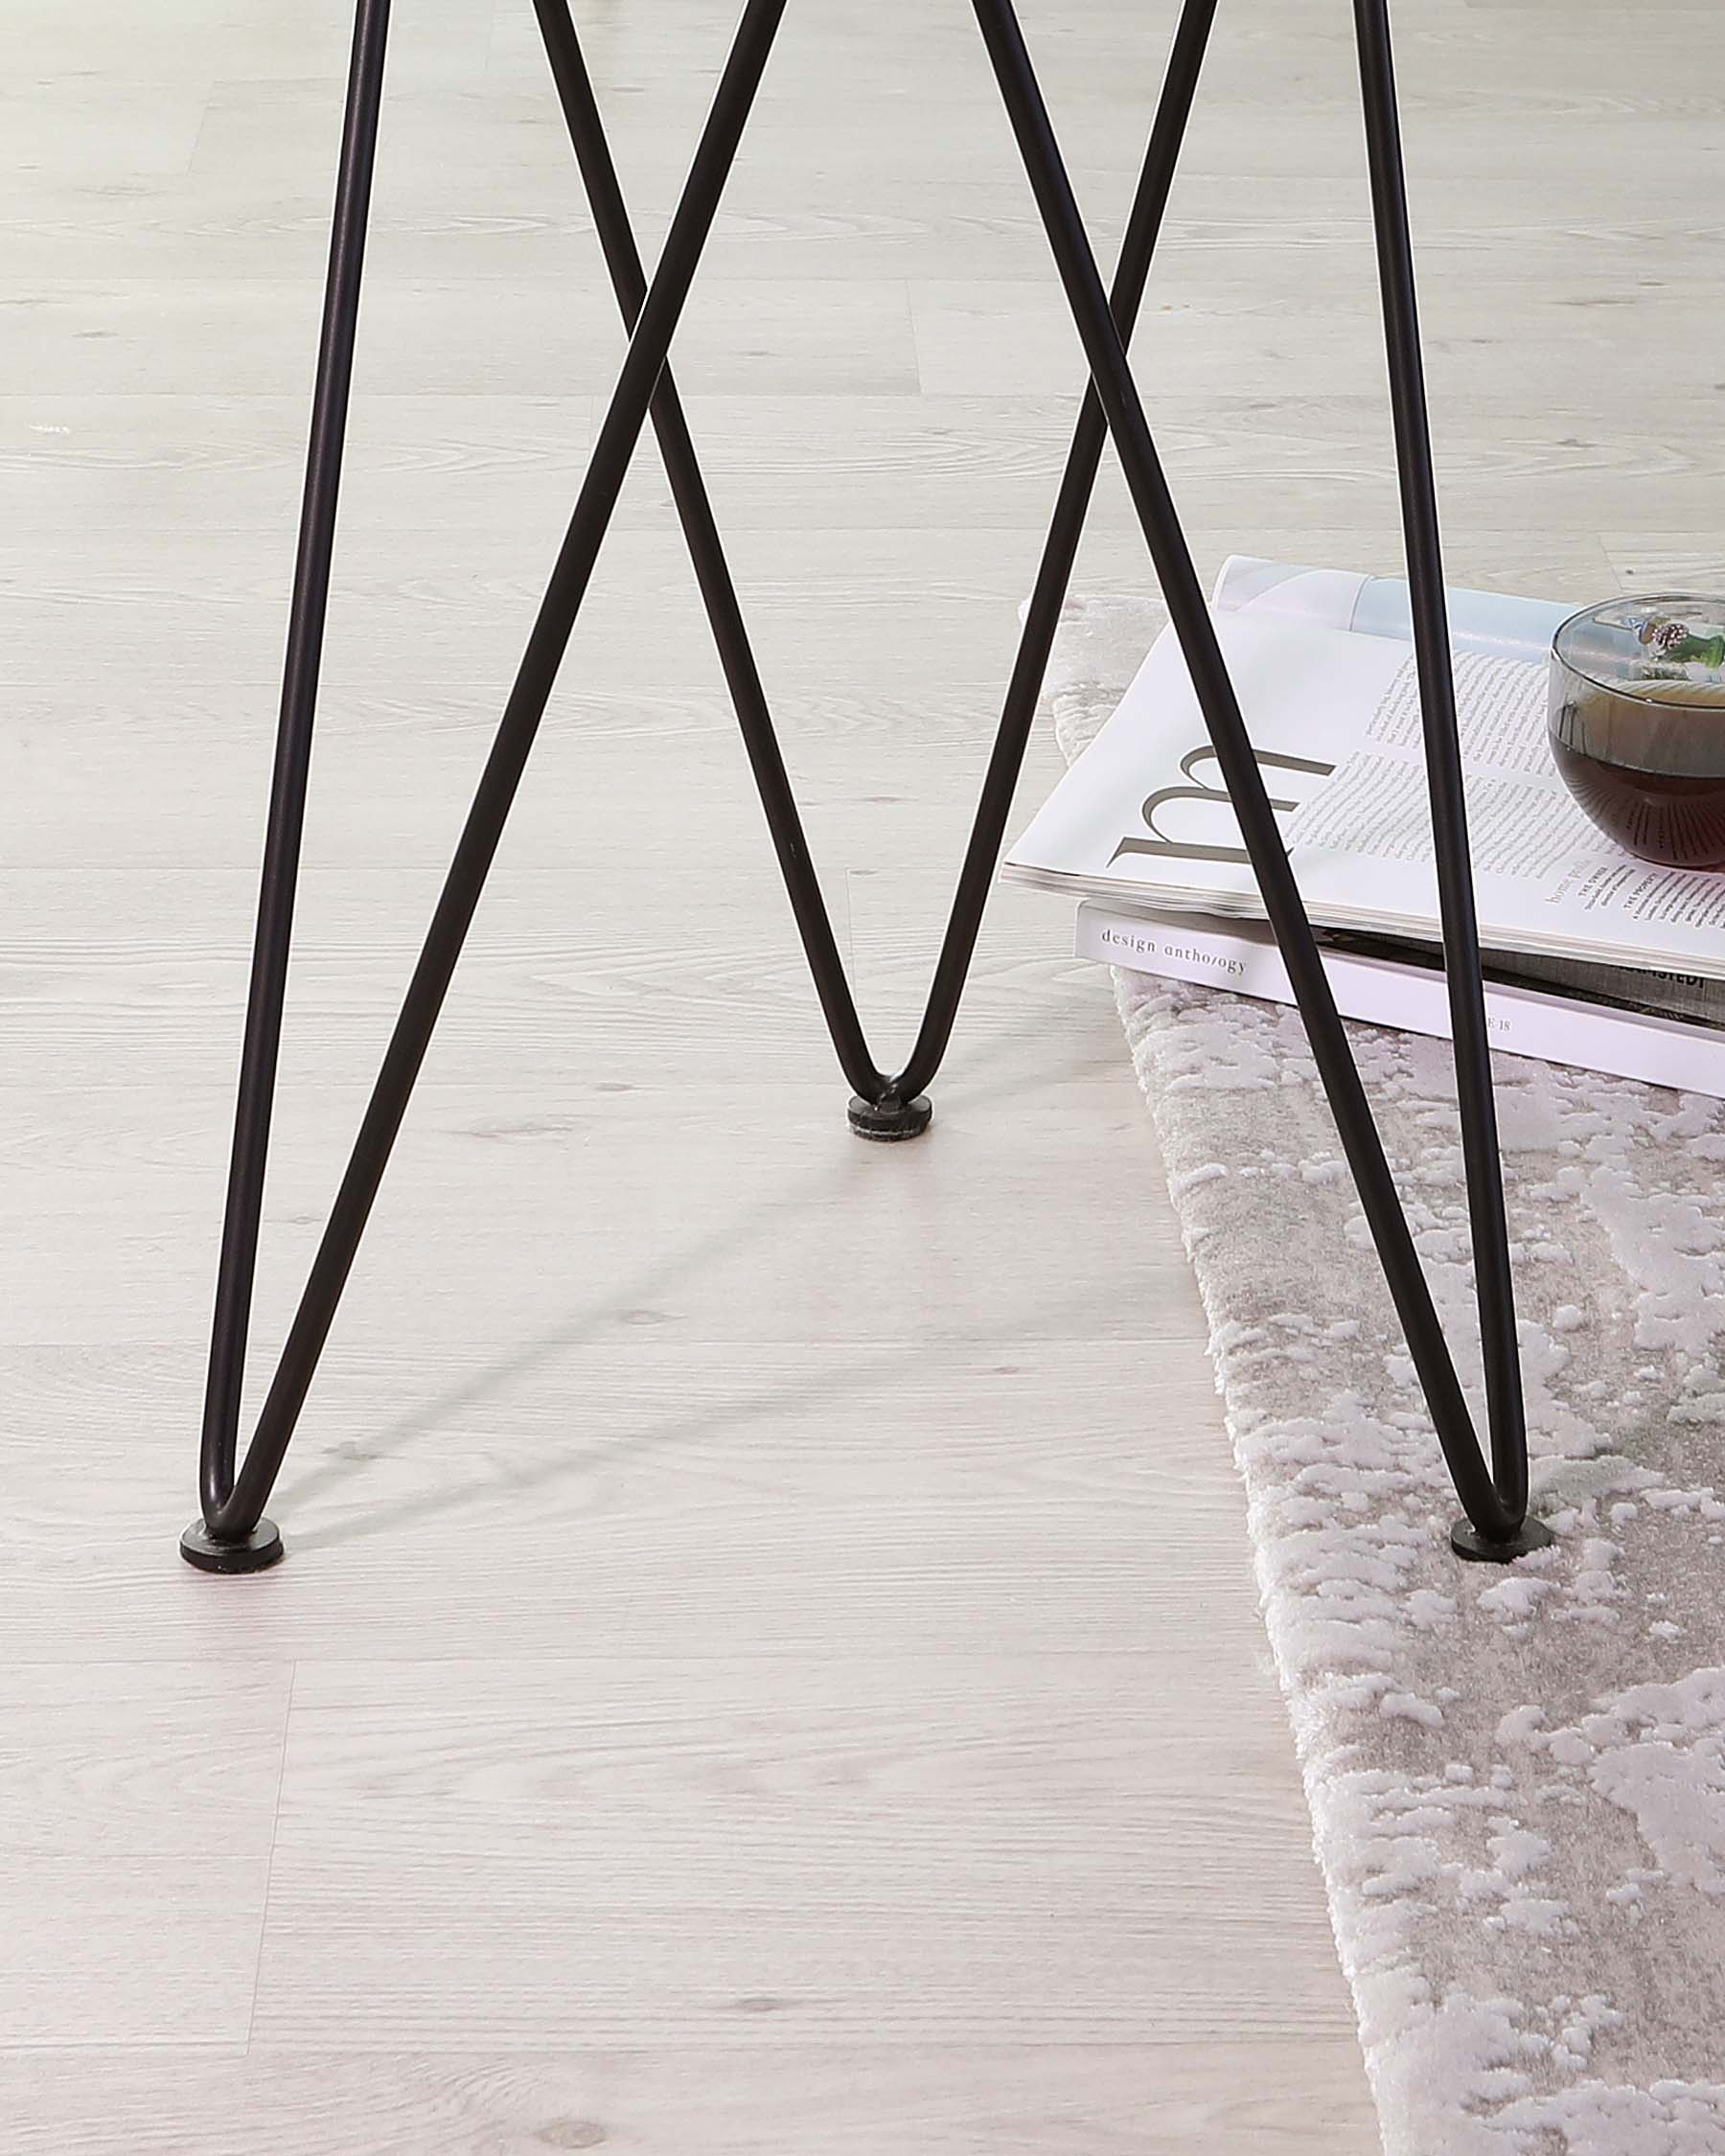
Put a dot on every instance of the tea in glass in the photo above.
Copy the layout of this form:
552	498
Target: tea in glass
1637	724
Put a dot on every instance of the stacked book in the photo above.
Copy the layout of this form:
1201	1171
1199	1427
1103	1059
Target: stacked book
1592	957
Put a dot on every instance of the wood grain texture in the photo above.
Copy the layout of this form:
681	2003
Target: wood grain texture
770	1658
1037	2099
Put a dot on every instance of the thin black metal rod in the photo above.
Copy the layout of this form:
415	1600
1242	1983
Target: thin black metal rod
1041	617
259	1053
233	1519
1480	1158
1496	1518
712	572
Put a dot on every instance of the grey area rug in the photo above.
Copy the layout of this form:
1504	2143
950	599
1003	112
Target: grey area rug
1516	1776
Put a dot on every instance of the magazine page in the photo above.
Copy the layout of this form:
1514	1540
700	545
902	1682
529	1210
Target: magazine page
1495	622
1335	723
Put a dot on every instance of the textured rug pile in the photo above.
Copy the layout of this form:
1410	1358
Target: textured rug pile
1516	1776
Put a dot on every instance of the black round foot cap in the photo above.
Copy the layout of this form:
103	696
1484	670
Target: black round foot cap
890	1120
1466	1541
261	1548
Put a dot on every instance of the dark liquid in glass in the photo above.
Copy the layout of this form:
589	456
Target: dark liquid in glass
1650	775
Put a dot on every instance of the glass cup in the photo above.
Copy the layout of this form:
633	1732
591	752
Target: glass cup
1636	717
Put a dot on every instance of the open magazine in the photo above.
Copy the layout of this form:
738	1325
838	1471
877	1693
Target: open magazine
1323	663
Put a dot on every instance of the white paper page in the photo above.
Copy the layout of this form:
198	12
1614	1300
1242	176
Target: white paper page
1480	620
1370	825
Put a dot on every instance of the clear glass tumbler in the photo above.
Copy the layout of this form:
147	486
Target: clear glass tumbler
1637	723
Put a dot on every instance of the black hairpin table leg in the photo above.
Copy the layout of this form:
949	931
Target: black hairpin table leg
884	1105
1054	574
1496	1523
231	1536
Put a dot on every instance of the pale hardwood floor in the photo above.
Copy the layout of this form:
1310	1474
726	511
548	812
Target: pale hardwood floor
769	1658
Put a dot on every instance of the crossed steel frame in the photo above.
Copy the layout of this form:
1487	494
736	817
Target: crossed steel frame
232	1534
